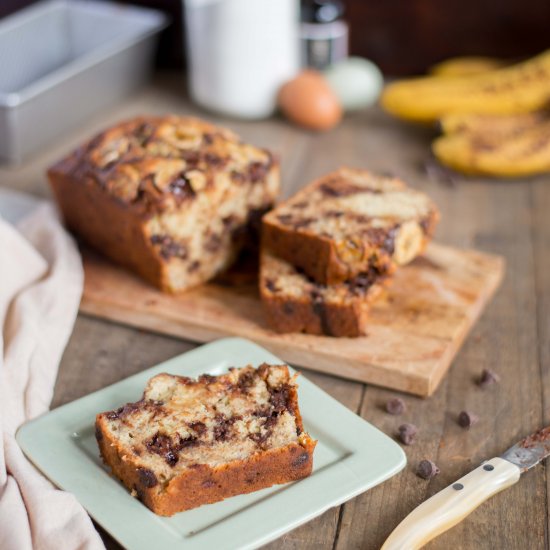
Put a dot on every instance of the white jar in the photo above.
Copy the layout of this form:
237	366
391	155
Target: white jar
240	52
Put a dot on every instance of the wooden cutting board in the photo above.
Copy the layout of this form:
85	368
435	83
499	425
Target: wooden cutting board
415	330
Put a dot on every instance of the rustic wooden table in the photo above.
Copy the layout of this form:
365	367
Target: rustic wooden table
513	336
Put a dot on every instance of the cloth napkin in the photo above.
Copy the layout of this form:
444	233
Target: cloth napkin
40	287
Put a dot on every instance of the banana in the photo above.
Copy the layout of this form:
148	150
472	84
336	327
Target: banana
520	153
490	125
520	88
466	66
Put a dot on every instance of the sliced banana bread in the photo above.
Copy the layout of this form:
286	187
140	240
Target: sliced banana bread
169	197
192	442
349	221
295	303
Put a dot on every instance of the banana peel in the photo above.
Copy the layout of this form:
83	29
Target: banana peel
520	88
466	66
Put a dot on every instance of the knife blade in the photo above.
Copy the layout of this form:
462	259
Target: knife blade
530	450
451	505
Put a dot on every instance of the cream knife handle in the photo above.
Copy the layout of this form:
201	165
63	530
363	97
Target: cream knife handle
451	505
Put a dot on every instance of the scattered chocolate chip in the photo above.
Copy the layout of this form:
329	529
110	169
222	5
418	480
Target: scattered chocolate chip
396	406
407	433
488	378
467	419
437	172
147	478
427	469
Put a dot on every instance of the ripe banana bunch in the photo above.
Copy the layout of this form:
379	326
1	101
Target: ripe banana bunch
507	146
520	88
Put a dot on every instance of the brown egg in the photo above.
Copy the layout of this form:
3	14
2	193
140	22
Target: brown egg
308	101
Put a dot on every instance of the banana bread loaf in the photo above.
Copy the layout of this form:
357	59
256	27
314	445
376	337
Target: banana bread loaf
295	303
192	442
169	197
348	222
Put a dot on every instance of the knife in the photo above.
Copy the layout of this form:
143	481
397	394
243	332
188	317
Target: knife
451	505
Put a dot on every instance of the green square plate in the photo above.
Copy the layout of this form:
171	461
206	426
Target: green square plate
351	456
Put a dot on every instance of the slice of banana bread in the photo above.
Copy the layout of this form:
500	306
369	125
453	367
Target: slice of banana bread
295	303
348	221
169	197
192	442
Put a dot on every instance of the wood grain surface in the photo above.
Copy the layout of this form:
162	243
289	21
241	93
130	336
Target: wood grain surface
414	331
512	337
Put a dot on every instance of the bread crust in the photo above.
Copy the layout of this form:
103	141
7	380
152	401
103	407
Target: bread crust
204	484
329	261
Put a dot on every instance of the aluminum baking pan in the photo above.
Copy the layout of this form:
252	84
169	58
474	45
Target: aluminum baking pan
64	60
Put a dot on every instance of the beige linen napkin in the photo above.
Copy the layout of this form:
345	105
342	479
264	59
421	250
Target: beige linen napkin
40	287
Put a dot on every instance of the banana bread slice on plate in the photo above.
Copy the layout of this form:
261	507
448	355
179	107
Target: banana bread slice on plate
295	303
193	442
348	221
169	197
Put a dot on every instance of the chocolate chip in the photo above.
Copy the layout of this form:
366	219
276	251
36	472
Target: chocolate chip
279	399
198	427
222	431
427	469
171	458
396	406
488	378
181	187
246	379
193	266
213	243
407	433
186	442
257	171
147	478
301	460
98	434
288	308
168	247
270	285
467	419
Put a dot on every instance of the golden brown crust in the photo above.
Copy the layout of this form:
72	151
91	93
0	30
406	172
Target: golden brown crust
294	229
169	197
204	484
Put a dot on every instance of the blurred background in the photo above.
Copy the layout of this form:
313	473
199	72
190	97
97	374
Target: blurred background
403	38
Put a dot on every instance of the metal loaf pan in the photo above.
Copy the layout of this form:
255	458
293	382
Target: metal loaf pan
63	60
